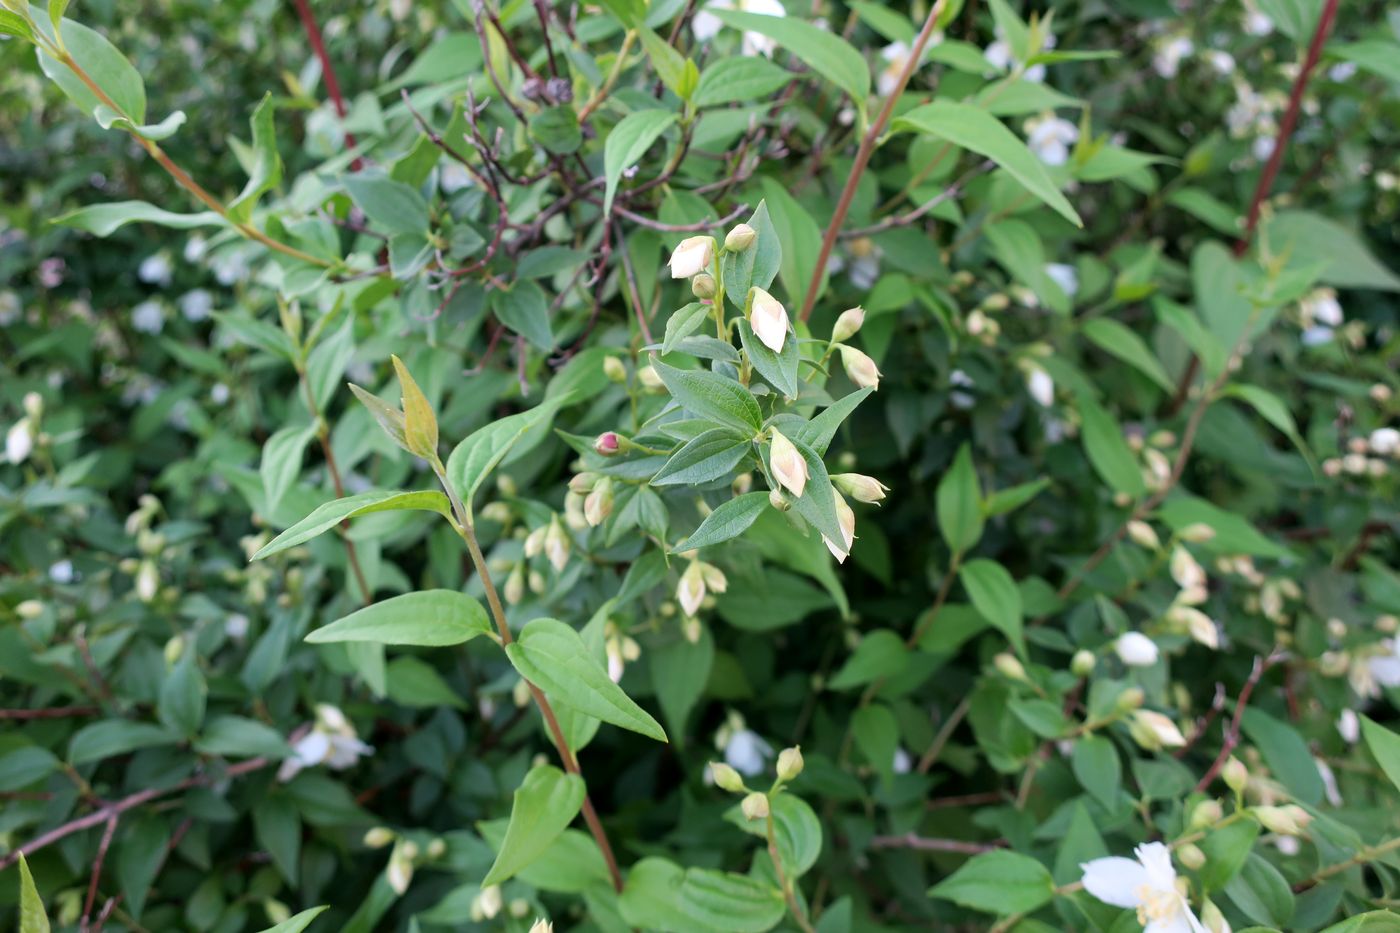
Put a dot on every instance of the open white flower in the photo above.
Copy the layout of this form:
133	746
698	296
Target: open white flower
1000	56
1040	386
706	25
1146	884
1065	276
155	270
1169	53
1384	441
744	750
692	256
769	320
896	56
1050	137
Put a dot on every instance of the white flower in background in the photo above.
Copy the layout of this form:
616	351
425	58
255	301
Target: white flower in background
1349	726
863	264
1342	71
1146	884
231	266
1040	386
331	742
1256	23
769	320
1136	649
155	270
1050	137
1198	625
692	256
1379	669
19	441
1222	63
62	572
147	581
148	317
488	904
453	177
542	926
9	308
196	304
1320	306
1185	571
236	626
1065	276
1316	336
219	394
1330	790
1168	54
195	247
961	380
744	750
1262	148
903	763
1384	441
1000	57
706	25
896	56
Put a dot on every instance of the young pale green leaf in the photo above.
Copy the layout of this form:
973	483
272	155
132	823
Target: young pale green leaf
103	219
12	24
978	131
327	516
105	65
1374	921
281	461
297	923
1015	29
524	310
627	143
429	618
755	267
1262	893
265	172
650	899
713	397
739	78
1207	347
32	918
1384	746
959	500
780	369
483	450
390	205
1286	753
545	804
893	25
818	432
824	52
552	656
1000	883
669	64
728	521
1107	450
704	459
994	594
420	428
683	323
108	118
1117	339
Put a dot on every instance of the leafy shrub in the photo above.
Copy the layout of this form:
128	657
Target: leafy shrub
1073	328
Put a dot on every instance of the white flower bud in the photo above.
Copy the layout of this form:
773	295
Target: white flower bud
740	238
1142	535
755	806
790	763
1082	664
726	778
848	324
692	256
1235	774
1152	730
614	369
690	593
788	465
1196	533
30	609
859	367
860	487
1136	649
768	318
542	926
379	837
846	519
1009	666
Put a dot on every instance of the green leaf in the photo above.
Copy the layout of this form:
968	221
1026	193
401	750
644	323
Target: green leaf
669	64
1233	533
327	516
1000	883
878	656
1013	497
1294	18
1286	753
726	522
1098	769
266	171
103	219
893	26
755	267
483	450
994	594
818	432
32	918
796	830
704	459
25	766
411	681
240	737
679	672
1043	717
390	205
113	737
1226	850
297	923
1384	746
978	131
1207	347
140	854
105	65
552	656
183	695
572	864
651	897
12	24
108	118
818	501
712	397
739	78
824	52
1107	450
1310	237
1375	921
627	143
281	461
959	500
545	804
1262	893
683	323
799	239
556	128
524	310
1117	339
428	617
277	827
1273	410
780	369
1378	56
716	900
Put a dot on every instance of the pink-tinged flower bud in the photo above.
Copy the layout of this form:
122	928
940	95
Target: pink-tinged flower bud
860	368
755	806
788	465
740	238
860	487
846	519
848	324
1136	649
556	544
692	256
726	778
790	763
768	318
703	286
690	592
609	444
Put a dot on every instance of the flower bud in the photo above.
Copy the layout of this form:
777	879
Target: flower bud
436	849
860	487
277	912
790	763
848	324
1281	820
542	926
30	609
740	238
598	504
1143	535
692	256
768	318
556	544
860	368
649	379
400	871
788	465
1131	699
1009	667
1206	814
703	286
726	778
690	592
1196	533
33	405
607	444
1191	856
379	837
1136	649
778	501
1212	919
614	369
174	647
1152	730
514	589
755	806
846	520
534	542
715	580
1082	664
1235	774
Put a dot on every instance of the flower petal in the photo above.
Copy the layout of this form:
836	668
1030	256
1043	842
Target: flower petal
1115	880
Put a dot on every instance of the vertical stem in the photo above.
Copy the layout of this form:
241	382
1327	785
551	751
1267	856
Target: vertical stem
783	881
318	46
323	434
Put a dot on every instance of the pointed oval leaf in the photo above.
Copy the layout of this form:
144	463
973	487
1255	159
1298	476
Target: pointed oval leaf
429	618
336	511
544	806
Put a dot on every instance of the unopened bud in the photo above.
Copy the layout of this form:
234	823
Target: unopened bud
726	778
174	648
379	837
33	404
755	806
703	286
1143	535
1196	533
608	444
790	763
583	483
1191	856
1082	664
30	609
615	369
740	238
1235	774
848	324
649	379
1131	699
1282	820
598	504
1008	666
860	487
436	849
1206	813
778	501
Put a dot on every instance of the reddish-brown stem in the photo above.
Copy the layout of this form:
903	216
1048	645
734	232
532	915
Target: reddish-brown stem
102	847
55	712
867	148
318	46
1231	738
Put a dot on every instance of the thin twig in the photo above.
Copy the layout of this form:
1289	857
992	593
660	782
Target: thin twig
927	844
903	220
102	846
318	46
54	712
1231	738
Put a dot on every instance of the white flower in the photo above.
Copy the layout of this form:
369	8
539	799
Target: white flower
903	763
746	753
1262	148
148	317
236	626
1065	276
1136	649
331	742
62	572
692	256
196	304
1385	441
1050	137
706	25
1342	71
1316	336
1152	730
1000	57
1169	53
1040	386
1147	884
195	247
788	465
896	56
147	581
219	394
1384	668
1321	306
453	176
19	441
1222	63
769	320
1255	22
961	400
1349	726
155	270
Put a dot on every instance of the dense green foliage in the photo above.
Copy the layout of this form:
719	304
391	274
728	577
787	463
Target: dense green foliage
460	511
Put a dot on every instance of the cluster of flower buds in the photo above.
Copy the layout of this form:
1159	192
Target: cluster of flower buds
553	540
620	648
859	367
757	805
699	580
